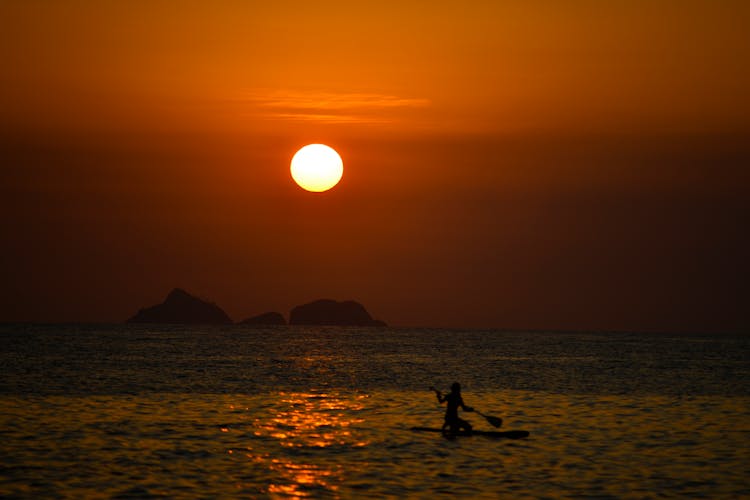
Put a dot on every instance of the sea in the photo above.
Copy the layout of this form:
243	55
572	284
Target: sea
145	411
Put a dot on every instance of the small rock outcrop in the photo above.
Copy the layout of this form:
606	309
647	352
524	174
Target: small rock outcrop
182	308
331	312
265	319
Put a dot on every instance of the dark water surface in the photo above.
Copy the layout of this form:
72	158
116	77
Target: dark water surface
183	412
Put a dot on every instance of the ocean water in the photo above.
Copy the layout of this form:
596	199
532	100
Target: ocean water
114	411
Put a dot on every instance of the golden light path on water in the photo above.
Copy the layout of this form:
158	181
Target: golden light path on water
311	420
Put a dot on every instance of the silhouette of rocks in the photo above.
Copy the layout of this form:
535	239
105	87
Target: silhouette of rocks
331	312
182	308
265	319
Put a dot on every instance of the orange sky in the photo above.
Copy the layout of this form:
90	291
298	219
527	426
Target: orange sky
540	164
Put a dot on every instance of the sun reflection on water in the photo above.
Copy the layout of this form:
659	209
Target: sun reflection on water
303	479
312	422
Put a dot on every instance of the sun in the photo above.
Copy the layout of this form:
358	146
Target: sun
317	167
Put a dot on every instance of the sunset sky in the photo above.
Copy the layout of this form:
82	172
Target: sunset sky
510	164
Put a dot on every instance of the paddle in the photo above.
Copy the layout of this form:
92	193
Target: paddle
493	421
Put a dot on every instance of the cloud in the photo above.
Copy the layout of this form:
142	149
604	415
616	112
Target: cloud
331	107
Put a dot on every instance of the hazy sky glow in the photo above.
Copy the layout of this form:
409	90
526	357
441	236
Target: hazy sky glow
572	165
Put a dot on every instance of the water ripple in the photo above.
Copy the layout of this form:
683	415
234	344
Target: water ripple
172	412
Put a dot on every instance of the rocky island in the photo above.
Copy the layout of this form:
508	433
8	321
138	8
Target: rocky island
331	312
182	308
265	319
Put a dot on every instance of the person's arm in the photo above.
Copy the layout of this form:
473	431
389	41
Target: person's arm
440	397
464	407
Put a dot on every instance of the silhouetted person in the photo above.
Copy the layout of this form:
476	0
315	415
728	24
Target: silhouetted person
452	422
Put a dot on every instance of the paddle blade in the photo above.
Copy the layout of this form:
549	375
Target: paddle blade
494	421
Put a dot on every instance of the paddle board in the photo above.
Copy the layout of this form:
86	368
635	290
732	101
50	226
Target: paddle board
492	434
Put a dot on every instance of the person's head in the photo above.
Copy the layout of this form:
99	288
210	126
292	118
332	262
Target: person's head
456	387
